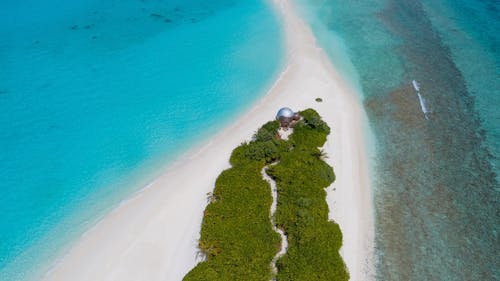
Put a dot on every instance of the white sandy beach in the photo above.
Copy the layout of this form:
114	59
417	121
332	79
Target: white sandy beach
153	235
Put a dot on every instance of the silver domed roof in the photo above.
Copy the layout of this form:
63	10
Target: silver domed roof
285	112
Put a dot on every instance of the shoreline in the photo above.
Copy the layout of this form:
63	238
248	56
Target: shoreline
153	235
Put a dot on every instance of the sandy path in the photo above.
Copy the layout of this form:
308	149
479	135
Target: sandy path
272	211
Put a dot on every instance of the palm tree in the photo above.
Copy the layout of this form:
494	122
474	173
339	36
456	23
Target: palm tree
320	154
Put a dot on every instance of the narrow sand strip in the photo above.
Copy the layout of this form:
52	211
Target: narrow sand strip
274	205
153	236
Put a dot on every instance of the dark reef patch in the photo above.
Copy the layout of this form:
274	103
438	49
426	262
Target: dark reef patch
156	16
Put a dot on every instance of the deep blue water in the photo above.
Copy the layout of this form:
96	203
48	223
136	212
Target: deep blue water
97	96
436	181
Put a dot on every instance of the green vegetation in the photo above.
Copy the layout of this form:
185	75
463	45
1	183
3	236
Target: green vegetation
301	177
237	237
319	99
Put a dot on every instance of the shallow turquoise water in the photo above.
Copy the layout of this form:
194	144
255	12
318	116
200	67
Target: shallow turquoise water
97	96
436	196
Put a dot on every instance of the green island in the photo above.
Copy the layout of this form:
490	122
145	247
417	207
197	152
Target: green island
237	238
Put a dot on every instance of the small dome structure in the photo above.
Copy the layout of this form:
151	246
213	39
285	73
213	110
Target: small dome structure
285	112
286	116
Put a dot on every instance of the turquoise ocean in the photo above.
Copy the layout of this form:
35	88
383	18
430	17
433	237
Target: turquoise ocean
98	97
436	182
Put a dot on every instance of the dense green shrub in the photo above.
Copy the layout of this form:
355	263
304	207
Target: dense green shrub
313	119
267	132
301	177
237	237
311	131
265	152
314	242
